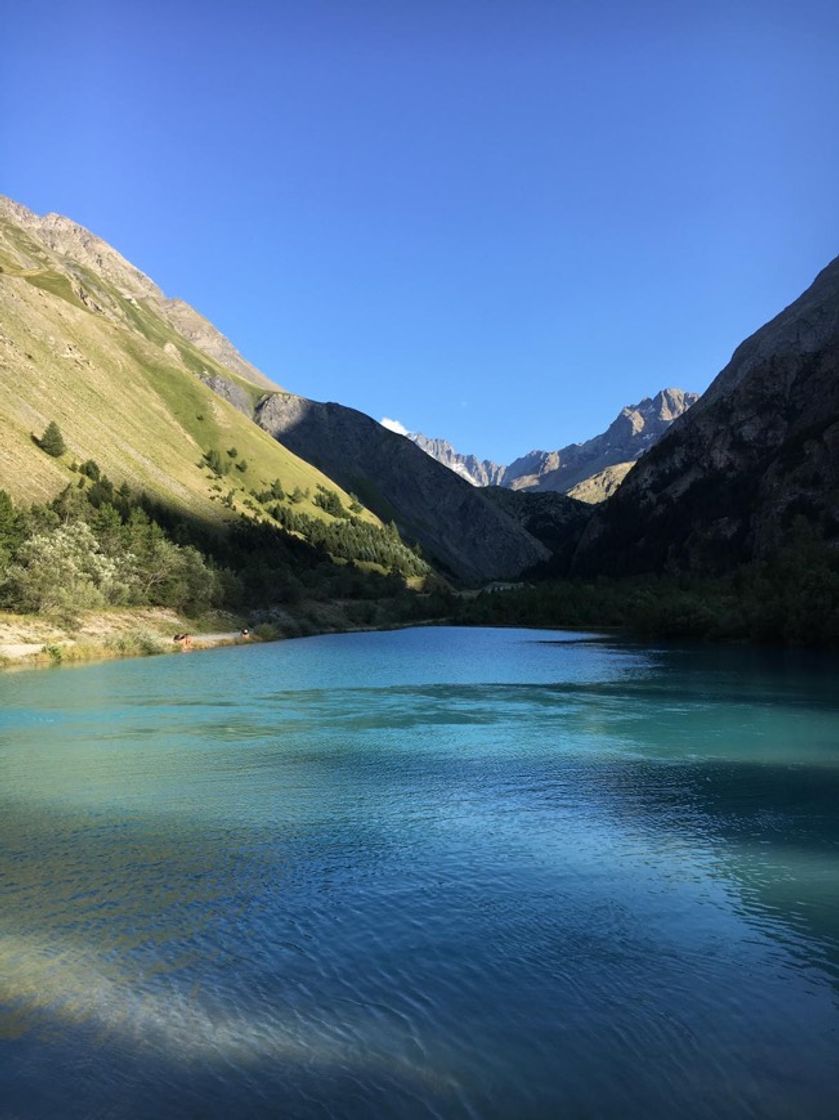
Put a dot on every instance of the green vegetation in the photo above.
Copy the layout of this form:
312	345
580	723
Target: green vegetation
355	540
127	389
792	599
328	500
52	441
97	545
216	463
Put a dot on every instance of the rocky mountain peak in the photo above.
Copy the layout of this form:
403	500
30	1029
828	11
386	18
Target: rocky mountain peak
635	429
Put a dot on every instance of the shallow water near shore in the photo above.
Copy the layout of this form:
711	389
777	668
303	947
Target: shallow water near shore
433	872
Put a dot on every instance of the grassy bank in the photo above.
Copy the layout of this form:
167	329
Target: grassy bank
38	641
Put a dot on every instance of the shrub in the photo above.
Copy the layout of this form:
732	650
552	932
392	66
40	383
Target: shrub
65	570
214	461
52	441
267	632
330	502
91	468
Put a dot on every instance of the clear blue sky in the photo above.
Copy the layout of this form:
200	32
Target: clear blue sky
494	221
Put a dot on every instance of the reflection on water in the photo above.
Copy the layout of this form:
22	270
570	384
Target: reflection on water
431	873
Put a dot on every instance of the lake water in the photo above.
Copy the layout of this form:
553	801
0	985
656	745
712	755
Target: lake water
428	873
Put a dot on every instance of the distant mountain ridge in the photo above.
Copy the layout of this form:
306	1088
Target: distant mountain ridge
480	472
596	466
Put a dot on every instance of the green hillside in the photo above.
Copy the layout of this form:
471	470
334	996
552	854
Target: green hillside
126	390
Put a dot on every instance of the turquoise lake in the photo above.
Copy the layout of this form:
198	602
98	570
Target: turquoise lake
428	873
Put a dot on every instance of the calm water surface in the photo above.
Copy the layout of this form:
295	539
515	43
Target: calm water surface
439	872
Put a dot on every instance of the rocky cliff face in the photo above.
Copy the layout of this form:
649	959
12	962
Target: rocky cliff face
596	467
480	472
634	430
453	522
758	450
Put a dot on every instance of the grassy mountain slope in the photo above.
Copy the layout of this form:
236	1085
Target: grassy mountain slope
93	351
598	487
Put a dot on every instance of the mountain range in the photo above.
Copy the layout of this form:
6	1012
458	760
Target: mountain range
146	386
590	471
150	390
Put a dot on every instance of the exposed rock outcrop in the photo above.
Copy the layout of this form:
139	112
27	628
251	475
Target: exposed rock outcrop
480	472
635	429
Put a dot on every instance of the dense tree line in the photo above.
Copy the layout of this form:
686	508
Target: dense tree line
792	598
100	545
353	539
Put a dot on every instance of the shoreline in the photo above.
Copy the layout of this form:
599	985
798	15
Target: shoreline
35	642
32	642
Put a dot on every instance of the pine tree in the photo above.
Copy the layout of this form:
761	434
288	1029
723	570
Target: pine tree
52	441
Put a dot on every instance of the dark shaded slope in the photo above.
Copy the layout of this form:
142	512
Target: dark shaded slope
452	521
554	519
759	449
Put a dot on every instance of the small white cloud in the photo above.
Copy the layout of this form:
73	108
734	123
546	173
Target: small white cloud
394	426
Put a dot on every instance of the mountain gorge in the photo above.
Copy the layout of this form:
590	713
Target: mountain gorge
453	522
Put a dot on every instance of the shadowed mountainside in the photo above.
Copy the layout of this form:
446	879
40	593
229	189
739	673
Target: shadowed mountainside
759	450
456	525
555	519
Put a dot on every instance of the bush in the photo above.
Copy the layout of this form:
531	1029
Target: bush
216	463
267	632
330	502
91	468
52	441
65	570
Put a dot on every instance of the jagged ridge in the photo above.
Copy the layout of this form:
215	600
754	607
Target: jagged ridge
592	469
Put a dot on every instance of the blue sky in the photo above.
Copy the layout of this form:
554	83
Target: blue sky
497	222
